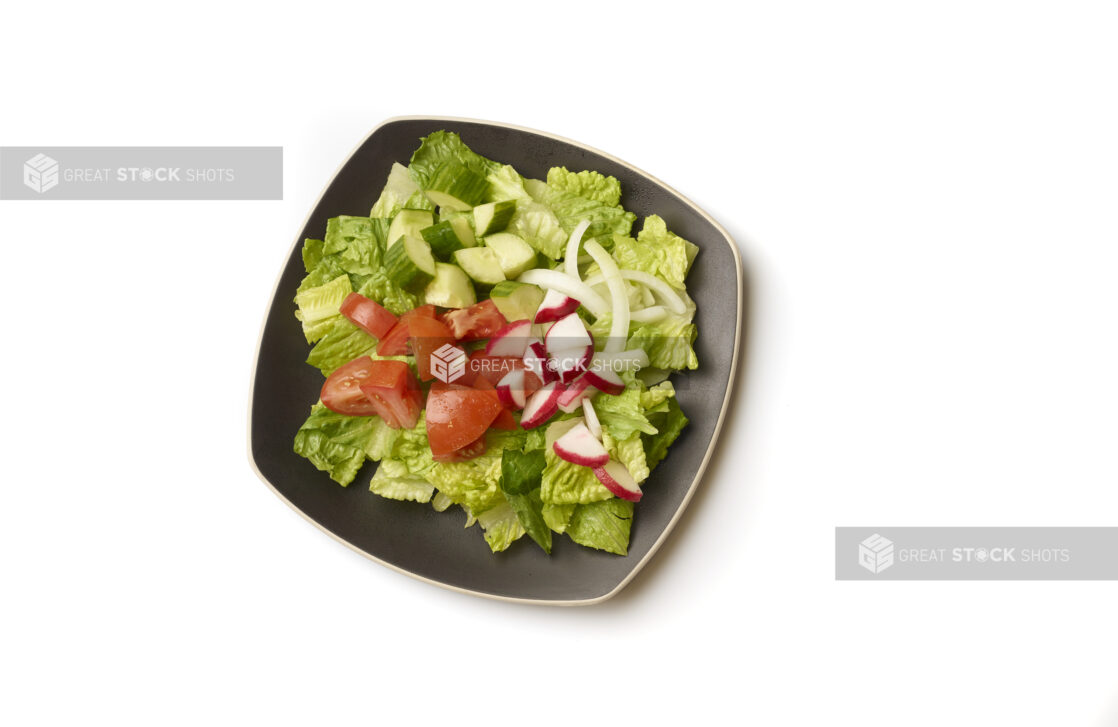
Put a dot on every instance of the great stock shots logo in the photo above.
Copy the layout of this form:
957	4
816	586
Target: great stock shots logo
40	173
875	553
448	363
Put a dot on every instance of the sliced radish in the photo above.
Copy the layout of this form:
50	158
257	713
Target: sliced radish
510	389
559	428
572	398
617	480
604	380
568	365
541	406
592	422
535	359
567	333
512	340
555	305
579	446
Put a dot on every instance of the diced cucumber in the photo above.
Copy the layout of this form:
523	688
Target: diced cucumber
410	264
481	264
493	217
454	186
516	301
446	237
514	254
408	222
451	288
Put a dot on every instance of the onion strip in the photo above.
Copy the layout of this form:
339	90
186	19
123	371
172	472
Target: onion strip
571	259
650	314
563	283
619	326
669	296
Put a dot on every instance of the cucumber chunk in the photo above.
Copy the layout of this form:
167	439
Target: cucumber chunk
454	186
516	301
448	236
451	288
481	264
514	254
408	222
493	217
410	264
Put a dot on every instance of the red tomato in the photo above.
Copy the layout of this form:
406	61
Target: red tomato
532	384
395	342
471	450
427	335
342	391
480	320
394	393
490	368
457	416
368	315
504	419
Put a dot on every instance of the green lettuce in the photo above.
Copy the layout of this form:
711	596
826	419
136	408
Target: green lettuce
629	452
318	306
669	424
441	147
393	480
589	184
400	192
622	414
656	251
505	183
380	288
557	516
603	525
668	342
570	209
565	483
335	443
501	526
521	474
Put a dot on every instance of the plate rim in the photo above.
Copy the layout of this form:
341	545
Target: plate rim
706	456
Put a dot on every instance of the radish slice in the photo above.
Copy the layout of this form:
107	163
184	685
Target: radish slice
618	480
571	259
510	389
541	406
567	333
592	422
535	360
565	284
619	325
555	305
559	428
576	393
649	315
581	447
604	380
512	340
571	363
622	361
670	297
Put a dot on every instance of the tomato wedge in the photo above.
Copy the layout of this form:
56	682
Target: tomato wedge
480	320
457	416
470	451
395	342
394	393
368	315
426	336
490	368
342	391
504	420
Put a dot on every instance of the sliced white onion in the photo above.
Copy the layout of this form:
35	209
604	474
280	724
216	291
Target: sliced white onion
592	422
669	296
649	315
565	284
571	259
619	326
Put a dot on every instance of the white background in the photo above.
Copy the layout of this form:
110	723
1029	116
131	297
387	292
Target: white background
924	195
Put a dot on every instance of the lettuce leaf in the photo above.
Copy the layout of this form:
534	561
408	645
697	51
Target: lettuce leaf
501	525
603	525
521	474
656	251
570	209
537	225
557	516
669	424
392	480
400	192
505	183
318	306
335	443
380	288
629	452
564	483
622	414
668	342
440	147
589	184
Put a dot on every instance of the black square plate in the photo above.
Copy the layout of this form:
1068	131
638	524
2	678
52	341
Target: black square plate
414	539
